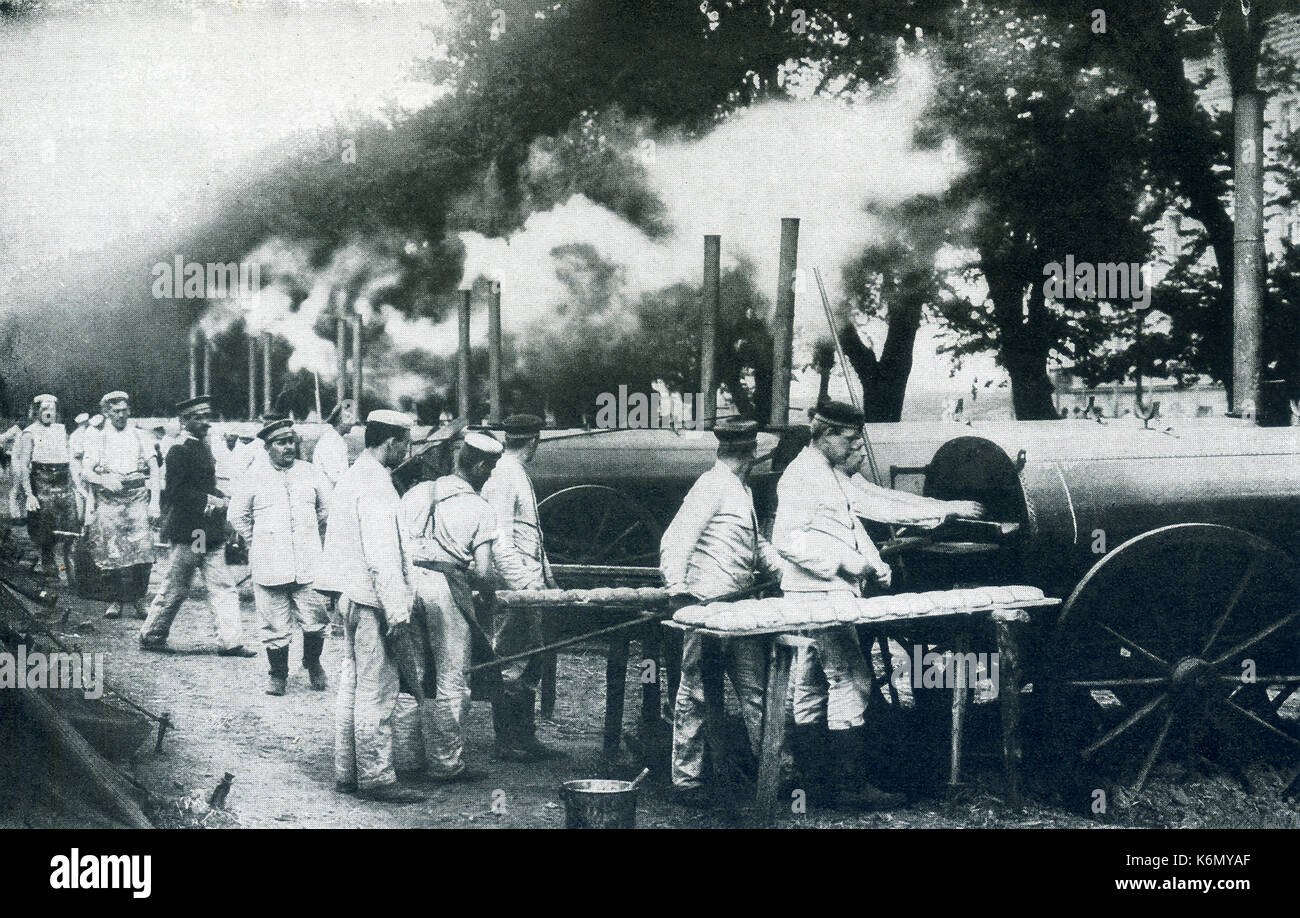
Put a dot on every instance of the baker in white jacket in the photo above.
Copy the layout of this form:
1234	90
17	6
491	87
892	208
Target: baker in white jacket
279	509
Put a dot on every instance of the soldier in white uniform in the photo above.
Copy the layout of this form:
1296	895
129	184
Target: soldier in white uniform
518	558
366	556
829	554
713	546
331	452
279	509
452	529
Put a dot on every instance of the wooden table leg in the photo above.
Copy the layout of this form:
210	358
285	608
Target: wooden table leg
711	670
1006	679
960	646
550	669
769	761
615	689
651	699
673	666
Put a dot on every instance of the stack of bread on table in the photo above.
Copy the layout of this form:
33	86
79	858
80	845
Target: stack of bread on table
641	597
793	612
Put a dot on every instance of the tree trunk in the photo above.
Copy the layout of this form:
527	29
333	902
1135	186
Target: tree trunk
884	379
1188	146
1025	342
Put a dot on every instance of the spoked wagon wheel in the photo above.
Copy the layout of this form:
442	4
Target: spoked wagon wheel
596	524
1182	640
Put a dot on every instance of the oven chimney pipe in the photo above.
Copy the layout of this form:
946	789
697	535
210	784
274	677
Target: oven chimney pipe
207	365
266	373
252	376
494	354
783	323
710	297
194	361
341	358
358	377
462	357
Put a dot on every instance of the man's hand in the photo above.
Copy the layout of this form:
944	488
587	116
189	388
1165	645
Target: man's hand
883	573
399	630
966	509
111	483
681	601
155	511
33	504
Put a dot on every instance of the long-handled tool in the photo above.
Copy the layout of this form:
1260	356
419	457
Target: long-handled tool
638	622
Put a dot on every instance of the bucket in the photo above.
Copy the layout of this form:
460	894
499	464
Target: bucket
599	803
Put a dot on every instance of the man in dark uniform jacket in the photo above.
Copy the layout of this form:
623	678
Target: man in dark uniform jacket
195	527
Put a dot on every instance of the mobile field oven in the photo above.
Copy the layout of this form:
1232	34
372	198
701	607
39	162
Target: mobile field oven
1174	550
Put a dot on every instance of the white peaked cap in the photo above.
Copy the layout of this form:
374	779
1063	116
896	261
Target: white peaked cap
483	443
391	418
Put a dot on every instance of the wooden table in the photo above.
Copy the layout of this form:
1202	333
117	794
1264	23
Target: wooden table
956	630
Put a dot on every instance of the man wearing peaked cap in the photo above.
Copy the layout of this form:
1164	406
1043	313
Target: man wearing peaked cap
331	454
366	561
518	556
196	529
839	414
714	546
278	508
451	529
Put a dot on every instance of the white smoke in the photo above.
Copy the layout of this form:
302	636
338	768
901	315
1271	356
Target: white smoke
823	161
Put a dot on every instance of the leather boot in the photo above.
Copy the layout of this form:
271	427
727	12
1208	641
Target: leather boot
526	739
505	722
278	657
808	749
312	645
849	785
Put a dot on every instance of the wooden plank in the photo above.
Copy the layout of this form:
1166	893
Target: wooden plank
615	689
961	645
1007	625
711	672
769	761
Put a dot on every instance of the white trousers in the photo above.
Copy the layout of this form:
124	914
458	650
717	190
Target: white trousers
745	662
832	681
222	598
442	721
280	606
363	711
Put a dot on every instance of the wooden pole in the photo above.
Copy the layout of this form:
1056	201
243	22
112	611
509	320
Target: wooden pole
783	322
494	354
266	372
710	297
252	376
357	377
462	357
341	355
207	365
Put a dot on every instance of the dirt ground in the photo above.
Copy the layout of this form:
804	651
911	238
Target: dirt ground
280	751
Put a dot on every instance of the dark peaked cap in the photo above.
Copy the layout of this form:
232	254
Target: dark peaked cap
274	427
841	414
189	405
737	432
522	425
